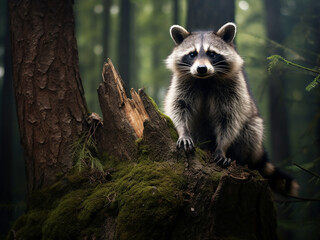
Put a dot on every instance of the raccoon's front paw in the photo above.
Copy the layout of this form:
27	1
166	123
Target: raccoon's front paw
221	160
186	142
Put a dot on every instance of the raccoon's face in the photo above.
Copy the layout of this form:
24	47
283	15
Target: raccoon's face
204	54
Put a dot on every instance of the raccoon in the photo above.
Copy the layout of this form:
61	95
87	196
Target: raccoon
210	105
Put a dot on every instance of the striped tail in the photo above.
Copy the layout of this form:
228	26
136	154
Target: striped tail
279	181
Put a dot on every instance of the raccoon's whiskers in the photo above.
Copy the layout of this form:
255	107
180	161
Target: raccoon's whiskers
219	62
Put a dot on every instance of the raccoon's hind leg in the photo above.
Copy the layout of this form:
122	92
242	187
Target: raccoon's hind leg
248	149
231	133
248	146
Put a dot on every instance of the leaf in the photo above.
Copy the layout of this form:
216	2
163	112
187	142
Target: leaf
313	84
273	62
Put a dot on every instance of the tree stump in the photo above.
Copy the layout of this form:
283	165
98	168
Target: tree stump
148	189
218	203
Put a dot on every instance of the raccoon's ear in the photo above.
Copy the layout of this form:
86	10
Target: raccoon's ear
227	32
178	34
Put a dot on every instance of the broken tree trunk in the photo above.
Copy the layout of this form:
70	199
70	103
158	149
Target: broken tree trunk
218	203
126	120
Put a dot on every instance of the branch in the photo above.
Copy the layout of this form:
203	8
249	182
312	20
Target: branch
308	171
295	199
274	59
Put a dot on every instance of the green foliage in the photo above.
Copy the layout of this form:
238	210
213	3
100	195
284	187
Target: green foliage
84	153
274	61
314	83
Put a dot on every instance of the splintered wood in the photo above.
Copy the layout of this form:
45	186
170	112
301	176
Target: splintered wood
133	108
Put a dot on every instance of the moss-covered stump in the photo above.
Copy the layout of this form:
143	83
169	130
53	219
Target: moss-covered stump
152	200
145	188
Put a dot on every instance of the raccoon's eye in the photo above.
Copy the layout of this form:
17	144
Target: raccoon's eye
211	54
193	54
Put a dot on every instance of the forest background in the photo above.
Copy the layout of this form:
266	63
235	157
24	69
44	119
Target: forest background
138	50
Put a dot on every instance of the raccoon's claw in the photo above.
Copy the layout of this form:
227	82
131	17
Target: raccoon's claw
222	161
186	142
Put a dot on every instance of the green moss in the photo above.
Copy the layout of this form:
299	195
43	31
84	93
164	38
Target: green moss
143	150
143	197
151	196
171	127
201	154
216	176
100	202
62	222
29	225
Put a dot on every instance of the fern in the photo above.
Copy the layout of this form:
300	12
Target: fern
274	61
313	84
84	151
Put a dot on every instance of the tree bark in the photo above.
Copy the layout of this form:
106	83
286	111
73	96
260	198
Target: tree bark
51	108
209	14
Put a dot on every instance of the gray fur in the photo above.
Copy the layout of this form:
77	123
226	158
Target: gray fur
213	109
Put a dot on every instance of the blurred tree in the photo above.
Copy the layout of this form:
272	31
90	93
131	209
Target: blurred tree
90	28
209	14
51	108
277	93
277	88
176	9
152	46
6	128
124	49
106	29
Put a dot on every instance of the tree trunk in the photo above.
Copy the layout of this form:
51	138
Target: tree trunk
209	14
124	41
175	11
6	139
49	96
277	93
106	28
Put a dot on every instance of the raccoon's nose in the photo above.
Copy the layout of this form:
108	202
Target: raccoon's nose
202	69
